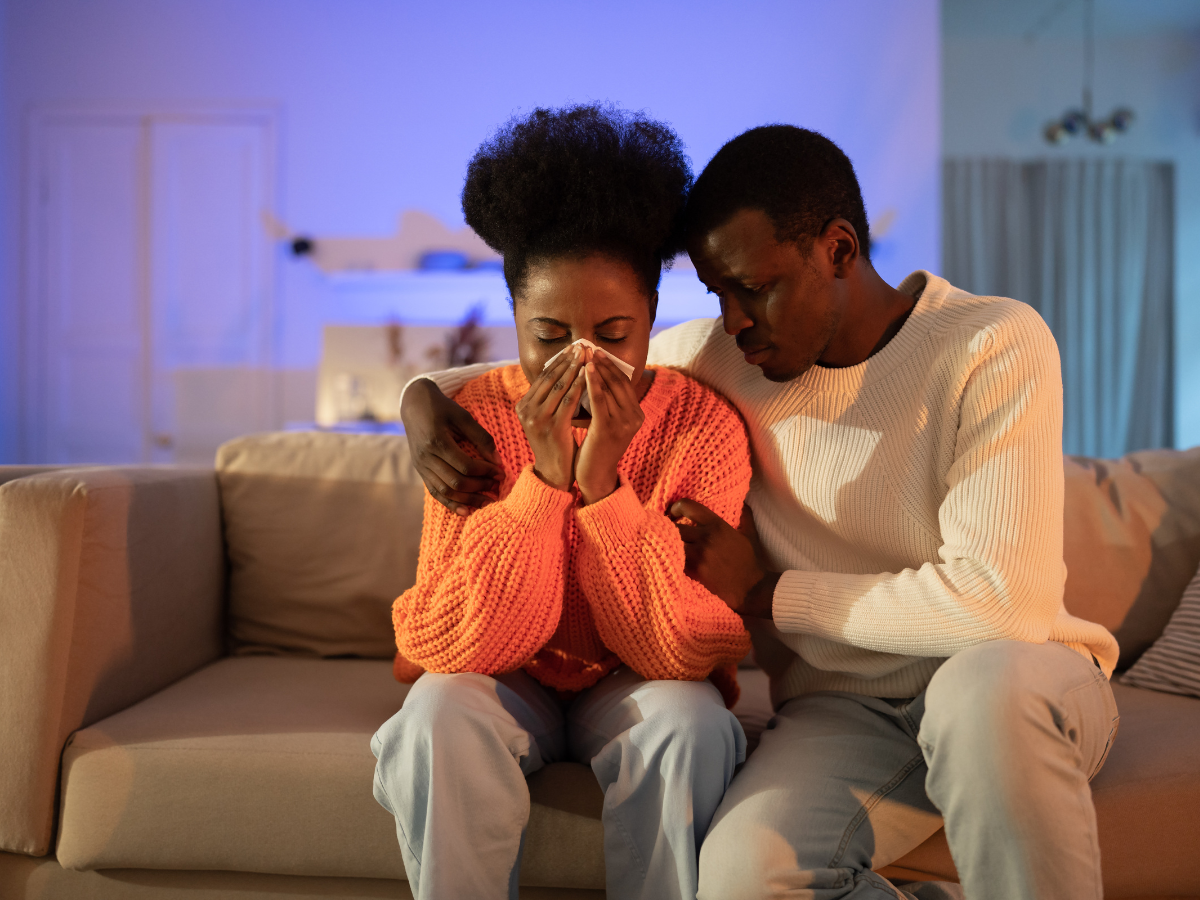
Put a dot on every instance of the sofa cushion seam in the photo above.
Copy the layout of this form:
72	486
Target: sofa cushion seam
216	750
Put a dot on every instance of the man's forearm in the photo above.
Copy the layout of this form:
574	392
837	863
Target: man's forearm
451	381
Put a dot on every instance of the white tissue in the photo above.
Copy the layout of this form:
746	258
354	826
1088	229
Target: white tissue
584	342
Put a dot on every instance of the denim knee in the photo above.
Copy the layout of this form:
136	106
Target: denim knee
987	690
435	709
689	717
986	709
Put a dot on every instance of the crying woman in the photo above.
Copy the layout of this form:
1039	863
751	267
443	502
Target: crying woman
557	623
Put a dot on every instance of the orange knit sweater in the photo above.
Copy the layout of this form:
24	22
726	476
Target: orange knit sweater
569	592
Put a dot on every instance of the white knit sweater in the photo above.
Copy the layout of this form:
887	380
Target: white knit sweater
914	502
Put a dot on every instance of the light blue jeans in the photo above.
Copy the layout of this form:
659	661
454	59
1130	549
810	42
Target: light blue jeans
1000	747
452	766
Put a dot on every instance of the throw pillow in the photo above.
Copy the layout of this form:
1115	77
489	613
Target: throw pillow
1131	541
1172	663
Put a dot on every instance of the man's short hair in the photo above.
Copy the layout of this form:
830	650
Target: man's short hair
799	178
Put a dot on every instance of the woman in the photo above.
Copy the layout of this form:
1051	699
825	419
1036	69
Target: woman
557	623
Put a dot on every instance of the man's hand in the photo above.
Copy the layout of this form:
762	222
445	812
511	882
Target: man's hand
434	425
724	559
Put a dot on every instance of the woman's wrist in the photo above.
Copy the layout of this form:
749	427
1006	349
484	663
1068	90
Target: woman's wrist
594	494
550	477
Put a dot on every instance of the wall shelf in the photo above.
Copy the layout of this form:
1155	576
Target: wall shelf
443	298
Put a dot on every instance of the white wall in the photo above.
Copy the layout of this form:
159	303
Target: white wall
384	101
999	91
9	322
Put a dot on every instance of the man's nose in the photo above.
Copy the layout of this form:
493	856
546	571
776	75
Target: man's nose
733	317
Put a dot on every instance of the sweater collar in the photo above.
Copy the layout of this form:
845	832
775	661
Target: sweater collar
930	291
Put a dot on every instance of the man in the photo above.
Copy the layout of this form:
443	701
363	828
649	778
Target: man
902	571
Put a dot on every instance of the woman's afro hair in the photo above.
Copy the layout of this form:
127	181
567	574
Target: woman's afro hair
576	181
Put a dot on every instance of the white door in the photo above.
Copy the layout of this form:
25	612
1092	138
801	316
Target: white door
87	293
151	285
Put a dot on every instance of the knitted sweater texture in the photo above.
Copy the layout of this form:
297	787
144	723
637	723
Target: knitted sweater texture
570	592
914	502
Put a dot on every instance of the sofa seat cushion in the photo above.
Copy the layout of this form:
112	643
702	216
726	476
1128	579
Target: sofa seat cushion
257	764
1146	799
1147	796
263	764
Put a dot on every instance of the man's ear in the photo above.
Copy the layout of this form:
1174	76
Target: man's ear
843	246
653	308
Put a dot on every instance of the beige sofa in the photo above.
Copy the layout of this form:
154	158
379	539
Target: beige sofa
193	663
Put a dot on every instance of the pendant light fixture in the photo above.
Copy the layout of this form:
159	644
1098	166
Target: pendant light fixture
1079	122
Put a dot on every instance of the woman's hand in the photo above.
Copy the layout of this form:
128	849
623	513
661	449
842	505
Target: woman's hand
616	418
545	412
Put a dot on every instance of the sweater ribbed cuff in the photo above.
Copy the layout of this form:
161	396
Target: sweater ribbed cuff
533	503
791	607
616	519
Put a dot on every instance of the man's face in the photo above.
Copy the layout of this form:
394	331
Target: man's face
782	305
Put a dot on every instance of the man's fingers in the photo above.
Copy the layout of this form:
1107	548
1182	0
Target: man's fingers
691	534
457	459
481	440
746	523
697	512
457	502
693	556
461	483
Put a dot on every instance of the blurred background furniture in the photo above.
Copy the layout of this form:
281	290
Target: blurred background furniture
193	662
364	367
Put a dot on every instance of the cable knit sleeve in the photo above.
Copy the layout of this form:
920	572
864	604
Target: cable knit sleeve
451	381
1001	520
489	586
658	620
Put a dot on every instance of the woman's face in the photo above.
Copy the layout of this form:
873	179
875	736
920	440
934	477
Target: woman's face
597	297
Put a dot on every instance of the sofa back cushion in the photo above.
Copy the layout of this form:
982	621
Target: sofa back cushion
1131	541
322	532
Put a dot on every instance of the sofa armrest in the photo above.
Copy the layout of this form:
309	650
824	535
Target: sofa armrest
111	587
12	473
